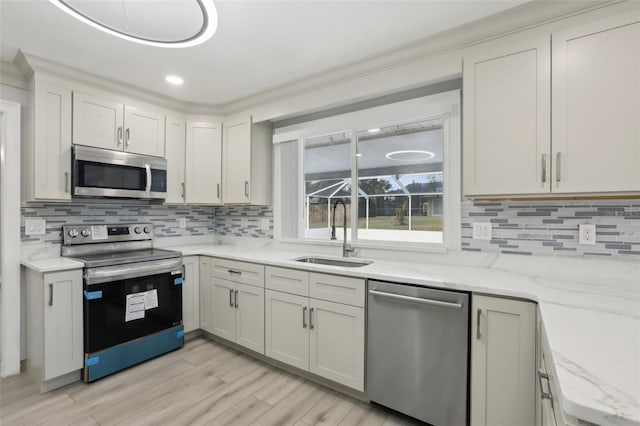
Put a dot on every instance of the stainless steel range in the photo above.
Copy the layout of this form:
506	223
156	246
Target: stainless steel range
132	295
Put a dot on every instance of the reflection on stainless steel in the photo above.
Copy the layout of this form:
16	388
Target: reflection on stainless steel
334	262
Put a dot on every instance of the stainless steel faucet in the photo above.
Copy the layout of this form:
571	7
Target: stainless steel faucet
346	248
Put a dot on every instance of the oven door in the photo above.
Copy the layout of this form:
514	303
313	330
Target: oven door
126	302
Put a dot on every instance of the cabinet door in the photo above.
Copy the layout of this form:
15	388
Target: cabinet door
223	314
249	301
52	145
507	117
502	362
175	138
336	335
97	122
206	289
144	131
237	161
335	288
203	163
190	293
596	107
286	328
63	323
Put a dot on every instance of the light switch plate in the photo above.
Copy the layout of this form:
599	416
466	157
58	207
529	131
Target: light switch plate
35	227
587	234
482	231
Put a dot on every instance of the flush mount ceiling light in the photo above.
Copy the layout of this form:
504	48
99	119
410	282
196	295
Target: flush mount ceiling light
174	79
410	155
159	23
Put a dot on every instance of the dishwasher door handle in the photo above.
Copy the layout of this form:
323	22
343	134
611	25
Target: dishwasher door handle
416	299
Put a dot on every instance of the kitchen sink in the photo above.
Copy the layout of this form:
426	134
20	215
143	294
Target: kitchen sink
334	262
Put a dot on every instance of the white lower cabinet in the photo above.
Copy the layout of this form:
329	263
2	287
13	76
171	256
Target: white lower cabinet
237	310
205	290
54	327
503	362
320	336
190	293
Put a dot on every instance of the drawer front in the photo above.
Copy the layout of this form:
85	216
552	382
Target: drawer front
239	272
287	280
337	289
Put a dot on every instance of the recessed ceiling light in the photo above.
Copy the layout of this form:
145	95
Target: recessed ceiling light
174	79
410	155
376	130
157	28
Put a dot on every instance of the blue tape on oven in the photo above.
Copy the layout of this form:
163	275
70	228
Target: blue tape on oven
91	295
94	360
177	281
180	334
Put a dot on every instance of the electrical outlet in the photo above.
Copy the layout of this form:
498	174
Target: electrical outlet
482	231
264	224
587	233
35	227
183	222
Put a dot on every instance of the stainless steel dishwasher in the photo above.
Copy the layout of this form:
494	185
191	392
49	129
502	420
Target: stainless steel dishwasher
418	351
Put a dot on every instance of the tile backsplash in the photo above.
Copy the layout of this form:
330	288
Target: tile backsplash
241	221
165	219
551	227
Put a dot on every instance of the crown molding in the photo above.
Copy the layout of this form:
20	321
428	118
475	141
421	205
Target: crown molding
521	18
10	75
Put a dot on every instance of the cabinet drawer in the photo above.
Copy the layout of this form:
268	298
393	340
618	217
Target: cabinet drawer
287	280
337	289
240	272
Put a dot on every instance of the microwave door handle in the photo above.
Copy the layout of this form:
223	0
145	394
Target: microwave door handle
148	188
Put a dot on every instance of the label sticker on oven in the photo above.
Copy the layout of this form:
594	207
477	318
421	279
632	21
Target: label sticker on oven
151	299
134	307
99	232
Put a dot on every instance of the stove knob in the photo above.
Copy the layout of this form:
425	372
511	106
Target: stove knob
85	232
136	229
147	229
73	233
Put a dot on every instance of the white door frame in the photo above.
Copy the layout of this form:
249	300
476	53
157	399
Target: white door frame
10	236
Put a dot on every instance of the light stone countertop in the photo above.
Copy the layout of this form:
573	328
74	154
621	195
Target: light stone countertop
590	309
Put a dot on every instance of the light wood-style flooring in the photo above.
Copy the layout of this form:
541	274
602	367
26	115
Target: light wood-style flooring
205	382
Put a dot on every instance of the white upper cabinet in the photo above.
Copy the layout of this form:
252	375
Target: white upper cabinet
247	151
175	148
507	117
108	124
47	150
596	107
203	167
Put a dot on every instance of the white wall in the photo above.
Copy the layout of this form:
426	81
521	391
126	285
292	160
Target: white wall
12	94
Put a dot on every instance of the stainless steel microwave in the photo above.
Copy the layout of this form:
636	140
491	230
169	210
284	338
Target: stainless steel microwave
105	173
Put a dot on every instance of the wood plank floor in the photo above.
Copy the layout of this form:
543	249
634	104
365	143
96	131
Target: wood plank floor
203	383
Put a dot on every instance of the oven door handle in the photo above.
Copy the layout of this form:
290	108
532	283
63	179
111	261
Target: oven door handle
131	270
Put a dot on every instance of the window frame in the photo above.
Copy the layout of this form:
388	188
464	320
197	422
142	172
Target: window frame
446	105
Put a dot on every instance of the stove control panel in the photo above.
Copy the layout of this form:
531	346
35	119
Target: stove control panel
101	233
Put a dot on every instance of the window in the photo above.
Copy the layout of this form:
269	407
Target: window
396	169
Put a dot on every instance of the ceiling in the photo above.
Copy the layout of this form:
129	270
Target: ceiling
258	45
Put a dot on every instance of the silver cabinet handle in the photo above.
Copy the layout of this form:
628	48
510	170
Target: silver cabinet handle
304	317
184	273
183	190
246	188
416	299
558	166
50	294
311	319
149	176
544	168
218	190
66	182
543	394
231	297
236	298
234	271
478	334
127	134
119	135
